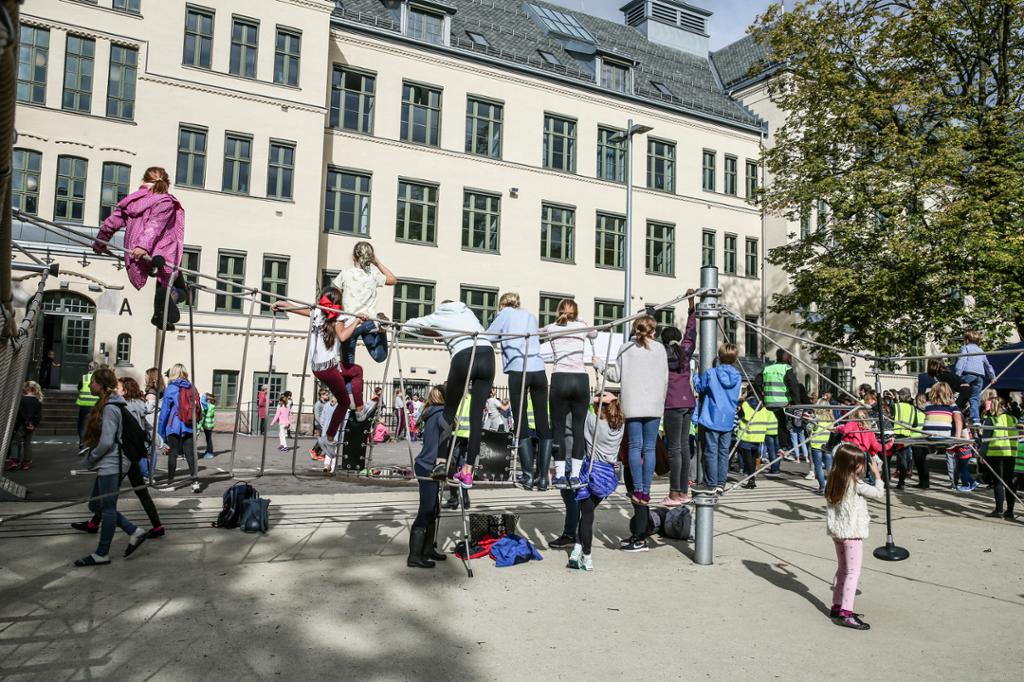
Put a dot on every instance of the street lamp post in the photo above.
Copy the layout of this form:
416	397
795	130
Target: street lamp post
627	136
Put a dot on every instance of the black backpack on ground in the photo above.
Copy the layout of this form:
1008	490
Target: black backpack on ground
234	505
134	441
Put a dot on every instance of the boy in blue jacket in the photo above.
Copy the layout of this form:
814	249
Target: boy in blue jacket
719	391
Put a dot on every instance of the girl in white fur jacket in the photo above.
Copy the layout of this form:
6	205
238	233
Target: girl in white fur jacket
848	523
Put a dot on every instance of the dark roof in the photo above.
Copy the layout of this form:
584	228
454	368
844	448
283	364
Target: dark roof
515	38
743	60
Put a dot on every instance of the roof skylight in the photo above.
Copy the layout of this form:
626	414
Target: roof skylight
561	23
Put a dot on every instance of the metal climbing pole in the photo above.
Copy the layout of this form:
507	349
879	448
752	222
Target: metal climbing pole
707	313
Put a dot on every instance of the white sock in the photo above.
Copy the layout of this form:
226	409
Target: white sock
101	559
560	469
577	467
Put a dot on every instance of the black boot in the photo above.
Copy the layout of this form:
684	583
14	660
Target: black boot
544	464
417	543
173	314
430	545
526	463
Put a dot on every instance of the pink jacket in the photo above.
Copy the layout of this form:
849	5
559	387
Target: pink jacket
855	434
154	222
282	416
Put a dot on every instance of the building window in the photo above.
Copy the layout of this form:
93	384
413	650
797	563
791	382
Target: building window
805	220
606	312
26	169
558	233
750	340
560	144
352	100
611	156
421	114
707	248
237	163
124	350
614	76
78	68
548	308
425	26
33	58
280	170
729	330
483	127
730	175
661	165
412	299
729	251
191	170
69	204
198	38
661	249
417	213
752	184
287	49
190	259
225	387
132	6
709	170
610	242
230	267
481	221
822	215
661	88
549	58
483	302
347	205
750	256
275	281
115	186
121	83
327	277
478	39
244	46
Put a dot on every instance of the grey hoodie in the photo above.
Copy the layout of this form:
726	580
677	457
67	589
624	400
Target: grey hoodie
454	315
103	459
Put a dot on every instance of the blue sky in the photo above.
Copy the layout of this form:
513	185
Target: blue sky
728	23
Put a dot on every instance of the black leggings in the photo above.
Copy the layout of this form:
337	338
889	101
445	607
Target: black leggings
428	509
586	534
481	376
180	445
921	464
747	455
537	385
570	392
1003	467
138	481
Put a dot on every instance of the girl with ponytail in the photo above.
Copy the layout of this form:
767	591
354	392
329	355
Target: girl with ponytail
154	225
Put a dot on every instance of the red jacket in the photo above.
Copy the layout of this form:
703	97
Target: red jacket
854	433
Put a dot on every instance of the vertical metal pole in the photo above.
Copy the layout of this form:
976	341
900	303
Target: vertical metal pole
628	250
707	313
192	368
403	414
368	450
241	384
161	342
889	552
302	391
270	374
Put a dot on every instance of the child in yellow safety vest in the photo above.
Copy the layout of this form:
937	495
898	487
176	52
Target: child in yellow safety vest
461	436
770	448
755	420
999	431
821	455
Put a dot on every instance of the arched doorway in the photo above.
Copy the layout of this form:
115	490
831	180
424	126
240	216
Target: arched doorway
69	330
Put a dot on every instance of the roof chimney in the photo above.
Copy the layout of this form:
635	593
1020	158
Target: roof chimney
672	23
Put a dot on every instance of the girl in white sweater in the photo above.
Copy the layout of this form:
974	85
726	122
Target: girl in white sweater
848	523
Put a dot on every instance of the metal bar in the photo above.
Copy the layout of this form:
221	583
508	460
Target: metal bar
707	313
302	392
368	451
195	377
401	386
161	343
241	384
889	552
265	421
627	299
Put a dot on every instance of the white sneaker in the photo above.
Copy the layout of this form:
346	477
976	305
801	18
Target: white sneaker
196	487
576	556
368	408
166	488
810	476
587	564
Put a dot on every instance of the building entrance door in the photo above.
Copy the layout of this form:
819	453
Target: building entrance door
69	330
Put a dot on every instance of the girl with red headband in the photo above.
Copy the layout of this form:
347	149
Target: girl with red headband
327	334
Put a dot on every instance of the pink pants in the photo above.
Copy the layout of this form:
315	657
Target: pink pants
850	554
334	378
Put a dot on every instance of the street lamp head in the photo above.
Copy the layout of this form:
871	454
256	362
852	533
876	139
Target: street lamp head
638	129
635	129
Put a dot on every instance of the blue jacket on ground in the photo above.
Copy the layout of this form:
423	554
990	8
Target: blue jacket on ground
512	550
719	390
169	422
434	437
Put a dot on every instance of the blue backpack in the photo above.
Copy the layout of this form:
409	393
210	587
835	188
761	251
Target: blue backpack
234	504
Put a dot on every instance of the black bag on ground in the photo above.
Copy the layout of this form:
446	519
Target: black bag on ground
255	514
134	440
675	523
234	505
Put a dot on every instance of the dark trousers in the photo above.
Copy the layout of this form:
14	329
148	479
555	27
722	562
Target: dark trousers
570	394
106	509
748	453
785	442
208	432
428	509
138	481
921	464
481	378
677	433
902	456
536	383
572	513
586	534
181	445
1003	467
83	416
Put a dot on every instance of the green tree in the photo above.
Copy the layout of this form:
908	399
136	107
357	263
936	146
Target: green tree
905	119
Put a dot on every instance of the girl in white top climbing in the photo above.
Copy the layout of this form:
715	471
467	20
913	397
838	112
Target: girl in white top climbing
359	287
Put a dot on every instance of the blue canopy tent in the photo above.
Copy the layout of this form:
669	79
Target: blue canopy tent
1013	380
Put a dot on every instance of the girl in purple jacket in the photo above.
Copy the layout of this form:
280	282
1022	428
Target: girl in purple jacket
679	405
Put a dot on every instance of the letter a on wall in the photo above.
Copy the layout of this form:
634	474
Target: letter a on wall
125	306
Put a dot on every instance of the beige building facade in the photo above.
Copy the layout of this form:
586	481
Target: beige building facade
471	145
